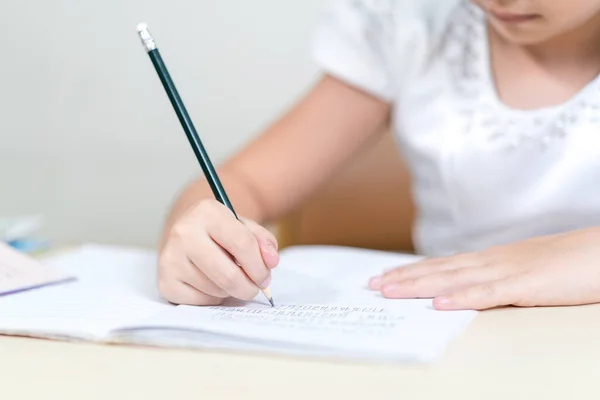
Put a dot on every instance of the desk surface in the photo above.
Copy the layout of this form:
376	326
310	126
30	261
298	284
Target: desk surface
547	353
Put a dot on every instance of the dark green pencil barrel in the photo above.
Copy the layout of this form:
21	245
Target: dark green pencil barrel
190	131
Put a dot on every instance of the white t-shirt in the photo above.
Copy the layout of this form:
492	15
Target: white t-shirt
483	173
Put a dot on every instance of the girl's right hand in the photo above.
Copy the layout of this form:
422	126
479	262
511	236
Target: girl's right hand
197	262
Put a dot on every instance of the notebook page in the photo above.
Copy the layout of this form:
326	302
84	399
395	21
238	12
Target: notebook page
197	339
323	307
74	310
402	333
114	287
132	269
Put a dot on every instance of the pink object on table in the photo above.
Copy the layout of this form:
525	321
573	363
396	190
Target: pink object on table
20	272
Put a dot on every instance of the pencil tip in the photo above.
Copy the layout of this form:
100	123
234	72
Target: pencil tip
271	301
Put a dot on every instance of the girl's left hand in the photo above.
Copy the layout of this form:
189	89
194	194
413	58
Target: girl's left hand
557	270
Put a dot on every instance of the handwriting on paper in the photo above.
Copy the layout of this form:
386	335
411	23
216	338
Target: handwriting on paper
310	317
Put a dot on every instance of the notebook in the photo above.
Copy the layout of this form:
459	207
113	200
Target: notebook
323	308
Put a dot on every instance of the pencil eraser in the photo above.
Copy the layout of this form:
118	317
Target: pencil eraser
142	27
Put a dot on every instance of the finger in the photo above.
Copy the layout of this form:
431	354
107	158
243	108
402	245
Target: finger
182	293
239	241
193	276
444	282
422	268
480	297
175	266
219	267
267	243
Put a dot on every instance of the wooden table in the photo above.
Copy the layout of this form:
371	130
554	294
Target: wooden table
546	354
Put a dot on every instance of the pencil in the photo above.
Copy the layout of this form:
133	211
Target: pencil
188	126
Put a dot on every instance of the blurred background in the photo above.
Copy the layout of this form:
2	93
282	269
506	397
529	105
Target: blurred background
88	138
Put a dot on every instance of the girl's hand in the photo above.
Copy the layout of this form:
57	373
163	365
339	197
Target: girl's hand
557	270
196	265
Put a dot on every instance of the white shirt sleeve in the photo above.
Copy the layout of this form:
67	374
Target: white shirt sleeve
376	45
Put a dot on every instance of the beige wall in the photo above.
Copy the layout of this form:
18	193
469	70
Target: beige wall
87	135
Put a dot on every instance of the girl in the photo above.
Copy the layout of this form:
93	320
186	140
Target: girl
496	108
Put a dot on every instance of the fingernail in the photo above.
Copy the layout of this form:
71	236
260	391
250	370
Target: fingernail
375	283
270	255
266	283
271	248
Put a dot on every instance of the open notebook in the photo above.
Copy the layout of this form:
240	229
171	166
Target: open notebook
323	308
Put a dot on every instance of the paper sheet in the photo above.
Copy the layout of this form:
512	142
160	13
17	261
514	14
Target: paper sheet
74	310
413	333
114	287
323	307
19	272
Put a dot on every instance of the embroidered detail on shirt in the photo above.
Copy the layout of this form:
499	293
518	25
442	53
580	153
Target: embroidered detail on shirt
508	129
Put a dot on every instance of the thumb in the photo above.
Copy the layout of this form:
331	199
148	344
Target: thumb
266	242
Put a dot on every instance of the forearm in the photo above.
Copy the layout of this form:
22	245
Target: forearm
295	155
300	151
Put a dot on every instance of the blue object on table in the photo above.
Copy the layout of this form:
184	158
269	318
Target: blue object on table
29	245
